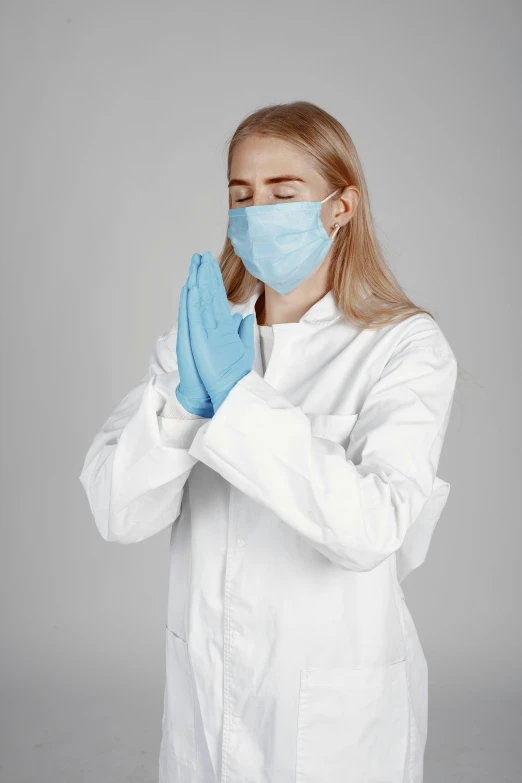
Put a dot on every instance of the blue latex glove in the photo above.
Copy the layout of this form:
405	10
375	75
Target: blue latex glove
191	392
222	352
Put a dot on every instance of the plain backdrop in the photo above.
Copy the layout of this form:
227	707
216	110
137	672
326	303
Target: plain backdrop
115	122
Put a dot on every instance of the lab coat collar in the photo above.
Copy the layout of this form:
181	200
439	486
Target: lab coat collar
324	310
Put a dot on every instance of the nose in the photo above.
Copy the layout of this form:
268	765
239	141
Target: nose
258	198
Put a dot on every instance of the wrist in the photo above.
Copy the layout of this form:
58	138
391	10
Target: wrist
198	406
218	401
218	396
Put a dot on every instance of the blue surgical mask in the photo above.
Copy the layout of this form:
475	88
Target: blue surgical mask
280	244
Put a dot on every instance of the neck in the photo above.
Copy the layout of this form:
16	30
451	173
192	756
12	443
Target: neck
274	308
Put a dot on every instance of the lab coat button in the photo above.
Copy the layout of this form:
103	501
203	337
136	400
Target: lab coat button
236	634
235	720
241	542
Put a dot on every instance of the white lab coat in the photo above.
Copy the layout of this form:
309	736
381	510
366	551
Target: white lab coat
298	509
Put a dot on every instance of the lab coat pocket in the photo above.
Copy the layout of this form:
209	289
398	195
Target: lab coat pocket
353	724
178	724
333	426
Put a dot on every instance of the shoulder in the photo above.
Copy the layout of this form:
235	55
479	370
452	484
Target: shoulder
163	356
167	340
419	332
413	347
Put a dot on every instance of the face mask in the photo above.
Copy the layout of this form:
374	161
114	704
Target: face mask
280	244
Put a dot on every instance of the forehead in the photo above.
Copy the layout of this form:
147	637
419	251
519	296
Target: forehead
269	156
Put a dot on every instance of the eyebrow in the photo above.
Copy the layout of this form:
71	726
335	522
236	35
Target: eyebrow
269	181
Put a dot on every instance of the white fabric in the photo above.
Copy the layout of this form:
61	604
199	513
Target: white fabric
266	342
173	409
295	513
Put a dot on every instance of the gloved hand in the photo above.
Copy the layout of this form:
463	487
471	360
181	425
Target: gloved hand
222	352
191	392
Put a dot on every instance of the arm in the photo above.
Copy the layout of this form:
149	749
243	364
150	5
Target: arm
353	506
138	462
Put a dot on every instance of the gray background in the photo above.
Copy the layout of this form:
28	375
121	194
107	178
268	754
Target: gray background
115	119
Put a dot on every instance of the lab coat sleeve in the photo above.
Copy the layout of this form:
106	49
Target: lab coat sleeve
138	462
173	409
354	505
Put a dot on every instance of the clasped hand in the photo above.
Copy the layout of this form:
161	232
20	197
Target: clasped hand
215	349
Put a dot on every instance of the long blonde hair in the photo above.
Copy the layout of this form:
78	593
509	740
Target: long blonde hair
364	287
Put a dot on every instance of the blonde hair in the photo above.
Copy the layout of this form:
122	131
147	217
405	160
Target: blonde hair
364	287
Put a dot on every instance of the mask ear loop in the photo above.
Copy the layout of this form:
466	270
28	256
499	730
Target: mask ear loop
330	196
336	225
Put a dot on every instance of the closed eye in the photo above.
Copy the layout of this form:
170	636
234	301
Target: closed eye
239	200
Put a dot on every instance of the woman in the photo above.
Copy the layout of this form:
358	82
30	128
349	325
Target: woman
289	429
